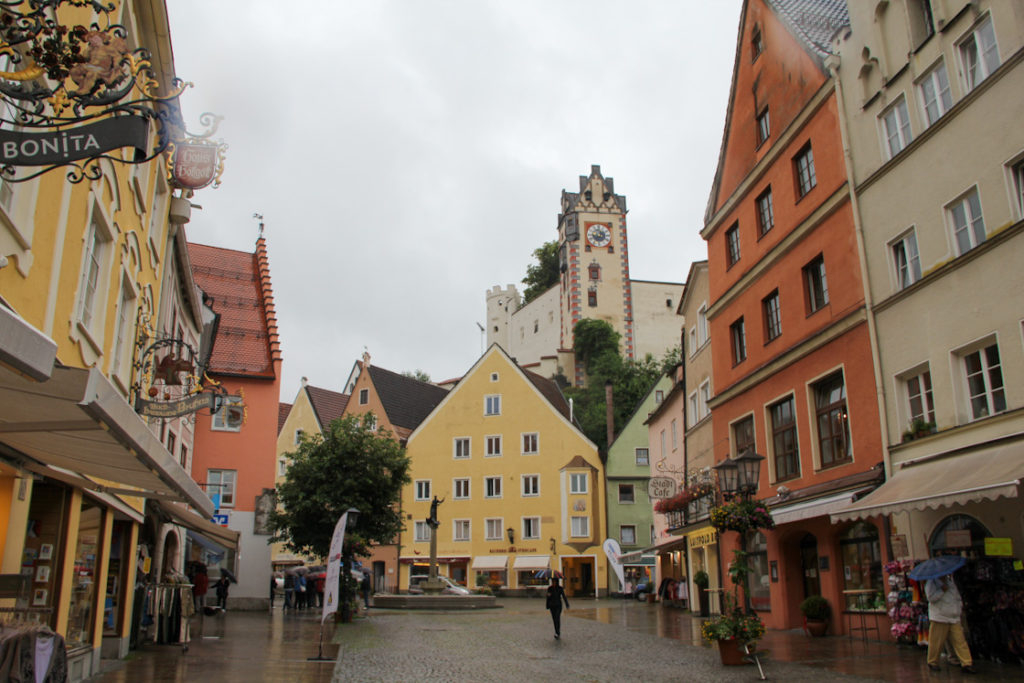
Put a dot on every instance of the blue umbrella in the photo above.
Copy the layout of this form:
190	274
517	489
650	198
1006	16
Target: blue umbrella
936	567
546	573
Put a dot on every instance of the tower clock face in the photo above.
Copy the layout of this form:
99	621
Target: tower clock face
599	235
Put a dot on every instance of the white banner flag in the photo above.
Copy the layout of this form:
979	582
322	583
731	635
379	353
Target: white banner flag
613	551
334	569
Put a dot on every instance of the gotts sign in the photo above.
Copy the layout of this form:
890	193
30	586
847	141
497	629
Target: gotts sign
194	164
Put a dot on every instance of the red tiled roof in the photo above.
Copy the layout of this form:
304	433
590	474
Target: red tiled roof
239	284
282	414
328	405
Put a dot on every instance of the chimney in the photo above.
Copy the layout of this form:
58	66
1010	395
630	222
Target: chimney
609	407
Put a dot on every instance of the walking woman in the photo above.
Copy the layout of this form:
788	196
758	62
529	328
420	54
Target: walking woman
556	596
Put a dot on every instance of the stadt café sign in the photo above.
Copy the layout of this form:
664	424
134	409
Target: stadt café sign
56	147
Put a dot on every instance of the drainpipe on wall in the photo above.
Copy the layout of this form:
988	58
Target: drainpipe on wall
609	408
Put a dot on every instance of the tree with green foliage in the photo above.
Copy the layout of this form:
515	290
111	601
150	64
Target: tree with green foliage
350	465
417	374
543	275
596	346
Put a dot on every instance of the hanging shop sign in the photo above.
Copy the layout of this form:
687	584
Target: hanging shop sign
194	165
19	148
659	488
172	409
75	96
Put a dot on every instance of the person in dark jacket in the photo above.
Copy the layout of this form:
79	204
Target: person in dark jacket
289	590
556	596
222	592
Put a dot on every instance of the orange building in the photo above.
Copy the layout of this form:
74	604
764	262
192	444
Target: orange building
235	450
793	370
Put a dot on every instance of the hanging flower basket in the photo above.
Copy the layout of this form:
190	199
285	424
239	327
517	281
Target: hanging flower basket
742	516
680	501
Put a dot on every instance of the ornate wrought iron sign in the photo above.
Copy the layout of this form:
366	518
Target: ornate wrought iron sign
71	96
197	161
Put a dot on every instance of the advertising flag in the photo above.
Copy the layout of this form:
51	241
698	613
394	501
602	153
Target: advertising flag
334	569
613	551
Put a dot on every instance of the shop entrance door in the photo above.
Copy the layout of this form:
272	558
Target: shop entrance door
809	564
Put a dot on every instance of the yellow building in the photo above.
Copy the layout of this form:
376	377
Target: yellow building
87	487
520	488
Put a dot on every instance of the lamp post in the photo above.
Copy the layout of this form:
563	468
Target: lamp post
739	477
346	567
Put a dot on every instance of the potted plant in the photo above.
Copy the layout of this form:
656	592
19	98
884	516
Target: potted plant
816	612
734	630
702	581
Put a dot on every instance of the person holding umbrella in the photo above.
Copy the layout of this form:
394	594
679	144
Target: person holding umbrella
944	609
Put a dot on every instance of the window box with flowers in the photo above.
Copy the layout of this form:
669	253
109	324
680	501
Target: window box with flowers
742	516
691	504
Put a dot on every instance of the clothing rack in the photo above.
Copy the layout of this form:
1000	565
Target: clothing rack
169	607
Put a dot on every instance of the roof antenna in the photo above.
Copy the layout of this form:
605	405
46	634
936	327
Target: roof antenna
260	217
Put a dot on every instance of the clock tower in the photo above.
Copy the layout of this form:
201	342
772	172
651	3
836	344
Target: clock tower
594	262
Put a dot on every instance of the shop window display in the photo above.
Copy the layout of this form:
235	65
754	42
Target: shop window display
41	556
83	582
862	568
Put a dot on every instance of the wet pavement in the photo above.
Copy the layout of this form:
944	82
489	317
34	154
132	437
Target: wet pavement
602	640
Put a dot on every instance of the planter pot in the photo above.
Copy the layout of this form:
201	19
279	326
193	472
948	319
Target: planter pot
731	652
650	598
817	627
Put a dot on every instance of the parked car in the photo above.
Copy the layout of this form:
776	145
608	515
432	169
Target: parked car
450	587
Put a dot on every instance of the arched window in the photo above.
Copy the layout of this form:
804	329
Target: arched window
862	567
758	580
941	540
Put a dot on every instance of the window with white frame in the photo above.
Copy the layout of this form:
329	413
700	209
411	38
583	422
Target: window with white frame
694	410
422	532
494	528
627	534
493	443
642	456
460	530
764	127
905	259
94	267
627	494
580	527
492	404
492	487
578	482
659	396
172	442
702	325
1017	182
896	127
298	436
125	333
531	484
461	488
732	244
230	416
817	284
222	482
460	447
785	449
772	313
422	489
705	398
531	443
979	53
282	467
984	375
803	166
693	340
936	98
531	528
738	337
919	396
967	222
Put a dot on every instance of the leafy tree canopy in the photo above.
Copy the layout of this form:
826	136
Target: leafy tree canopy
597	347
543	275
417	374
350	465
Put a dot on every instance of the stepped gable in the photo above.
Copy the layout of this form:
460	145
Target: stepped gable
549	389
239	284
328	405
406	401
282	414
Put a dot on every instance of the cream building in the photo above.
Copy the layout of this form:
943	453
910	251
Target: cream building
931	96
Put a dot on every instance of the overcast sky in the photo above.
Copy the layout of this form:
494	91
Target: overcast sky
408	155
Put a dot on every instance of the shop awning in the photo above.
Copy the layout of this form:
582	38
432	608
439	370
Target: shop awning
221	535
25	349
214	549
76	420
675	543
816	507
490	563
525	563
943	481
637	558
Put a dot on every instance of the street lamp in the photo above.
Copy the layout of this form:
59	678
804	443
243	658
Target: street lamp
739	476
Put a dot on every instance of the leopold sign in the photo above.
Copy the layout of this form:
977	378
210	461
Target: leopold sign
57	147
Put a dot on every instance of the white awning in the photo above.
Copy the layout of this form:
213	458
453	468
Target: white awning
221	535
77	421
525	563
943	481
24	348
816	507
490	563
